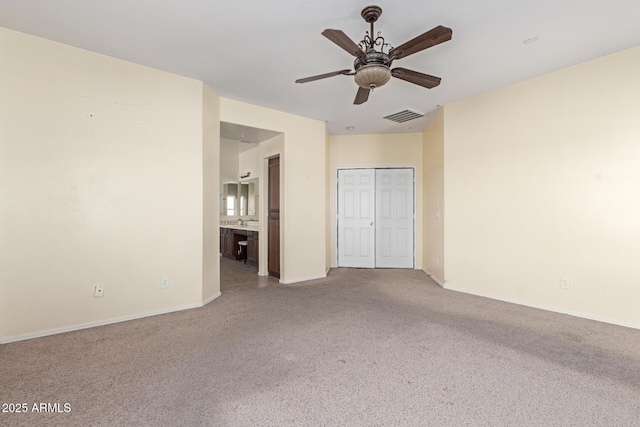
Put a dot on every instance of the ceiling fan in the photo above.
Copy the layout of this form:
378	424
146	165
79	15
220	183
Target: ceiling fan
372	67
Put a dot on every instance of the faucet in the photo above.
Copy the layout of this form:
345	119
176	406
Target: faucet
240	223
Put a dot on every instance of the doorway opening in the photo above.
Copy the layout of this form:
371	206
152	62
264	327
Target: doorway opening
243	223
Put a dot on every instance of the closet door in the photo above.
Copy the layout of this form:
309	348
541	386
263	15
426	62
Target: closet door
273	256
356	210
394	218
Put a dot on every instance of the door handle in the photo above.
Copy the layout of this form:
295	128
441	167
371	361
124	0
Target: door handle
371	224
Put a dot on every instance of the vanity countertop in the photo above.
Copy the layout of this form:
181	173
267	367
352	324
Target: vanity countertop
251	227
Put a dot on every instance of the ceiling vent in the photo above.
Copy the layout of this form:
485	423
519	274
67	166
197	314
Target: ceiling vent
404	116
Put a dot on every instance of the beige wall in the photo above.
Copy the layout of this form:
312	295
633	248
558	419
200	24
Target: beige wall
433	199
383	150
211	190
542	182
302	164
229	160
249	161
101	176
328	215
233	162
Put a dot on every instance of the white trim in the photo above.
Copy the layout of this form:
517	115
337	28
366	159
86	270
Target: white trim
105	322
434	278
544	307
304	279
211	298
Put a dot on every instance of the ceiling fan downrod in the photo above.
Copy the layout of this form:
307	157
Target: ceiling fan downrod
371	14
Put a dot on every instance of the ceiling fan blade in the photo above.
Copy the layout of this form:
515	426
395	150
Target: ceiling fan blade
342	40
420	79
322	76
361	96
432	37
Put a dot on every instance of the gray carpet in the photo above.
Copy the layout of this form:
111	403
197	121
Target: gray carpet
360	348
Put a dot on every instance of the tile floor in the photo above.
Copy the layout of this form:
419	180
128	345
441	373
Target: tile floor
237	276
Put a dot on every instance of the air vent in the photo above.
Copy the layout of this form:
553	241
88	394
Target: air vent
404	116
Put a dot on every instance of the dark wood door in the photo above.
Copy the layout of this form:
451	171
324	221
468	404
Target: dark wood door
226	237
252	247
274	217
228	243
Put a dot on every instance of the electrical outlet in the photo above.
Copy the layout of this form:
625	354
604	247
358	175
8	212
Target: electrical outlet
99	291
164	283
564	284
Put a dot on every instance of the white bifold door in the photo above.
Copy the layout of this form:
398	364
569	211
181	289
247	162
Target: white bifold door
375	218
356	218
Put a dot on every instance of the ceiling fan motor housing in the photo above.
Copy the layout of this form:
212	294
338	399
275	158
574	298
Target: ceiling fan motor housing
373	71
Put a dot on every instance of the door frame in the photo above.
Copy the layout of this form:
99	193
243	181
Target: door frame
415	208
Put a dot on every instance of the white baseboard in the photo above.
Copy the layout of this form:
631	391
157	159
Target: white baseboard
105	322
541	307
304	279
434	278
211	298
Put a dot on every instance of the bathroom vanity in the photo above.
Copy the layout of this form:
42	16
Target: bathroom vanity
230	236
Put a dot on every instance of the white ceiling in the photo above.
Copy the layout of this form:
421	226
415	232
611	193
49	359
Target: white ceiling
254	50
249	136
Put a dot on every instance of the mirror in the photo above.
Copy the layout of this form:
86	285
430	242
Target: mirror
243	197
239	198
229	198
254	192
251	187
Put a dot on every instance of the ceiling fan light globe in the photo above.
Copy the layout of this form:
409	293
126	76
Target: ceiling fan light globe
372	76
